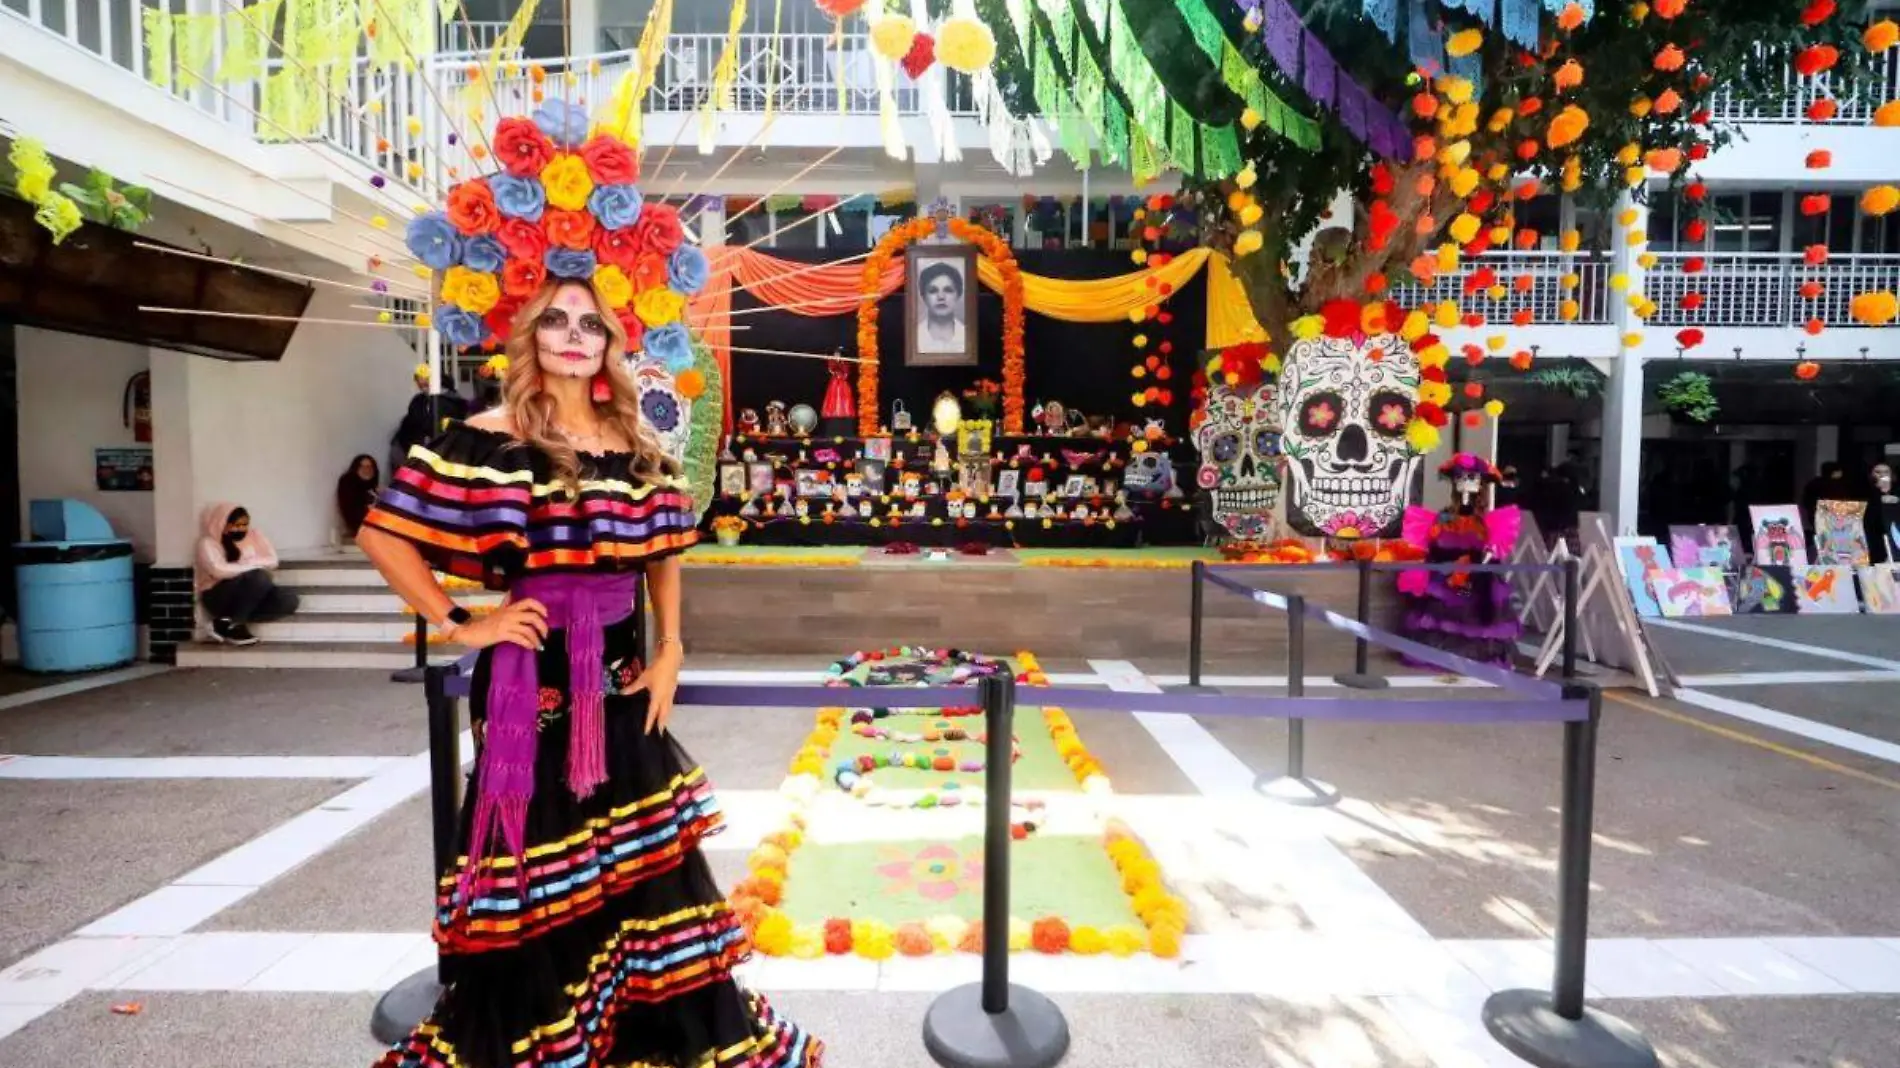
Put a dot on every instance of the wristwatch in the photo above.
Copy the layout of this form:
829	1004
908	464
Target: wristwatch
457	619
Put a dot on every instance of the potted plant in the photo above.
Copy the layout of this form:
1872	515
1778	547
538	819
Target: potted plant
727	528
1689	396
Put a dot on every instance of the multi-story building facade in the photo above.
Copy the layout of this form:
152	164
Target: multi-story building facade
326	200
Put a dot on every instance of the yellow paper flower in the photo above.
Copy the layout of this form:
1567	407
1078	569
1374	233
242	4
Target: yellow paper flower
1495	342
1249	119
1568	311
1448	314
1646	260
1619	281
471	291
1434	393
659	306
1875	308
966	45
1456	90
1632	340
1307	327
1880	200
1250	214
1248	243
1494	408
1464	42
1087	941
891	36
1122	940
873	939
1416	325
808	941
1570	240
1570	281
1464	181
1447	258
1421	436
613	286
1247	177
773	936
945	932
1019	930
567	182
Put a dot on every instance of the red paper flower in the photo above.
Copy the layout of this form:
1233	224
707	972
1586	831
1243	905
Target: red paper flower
1695	191
923	52
1381	180
1822	110
501	317
471	208
659	229
1816	12
1694	265
610	161
1814	327
1814	255
521	148
1806	370
1473	421
1689	338
621	248
1341	317
1431	413
569	229
1699	150
1695	230
1815	59
1810	290
636	330
1814	204
522	278
1820	159
1669	59
523	240
1690	301
649	271
837	936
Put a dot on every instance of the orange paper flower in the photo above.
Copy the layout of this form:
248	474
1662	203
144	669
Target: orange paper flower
1567	126
1669	59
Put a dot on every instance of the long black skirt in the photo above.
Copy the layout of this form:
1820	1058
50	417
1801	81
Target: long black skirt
621	955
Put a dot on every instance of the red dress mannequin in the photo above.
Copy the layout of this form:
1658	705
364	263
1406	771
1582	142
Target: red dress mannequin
839	403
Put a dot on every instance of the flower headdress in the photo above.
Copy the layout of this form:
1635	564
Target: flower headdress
1469	465
563	206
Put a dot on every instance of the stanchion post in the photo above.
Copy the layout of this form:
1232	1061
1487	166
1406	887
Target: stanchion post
1294	787
1556	1030
406	1004
1361	676
1197	604
1572	584
416	672
992	1024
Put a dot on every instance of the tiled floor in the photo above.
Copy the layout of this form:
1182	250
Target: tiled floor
1366	934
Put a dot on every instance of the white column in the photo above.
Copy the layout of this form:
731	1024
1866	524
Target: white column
583	27
175	504
1623	395
712	226
1556	444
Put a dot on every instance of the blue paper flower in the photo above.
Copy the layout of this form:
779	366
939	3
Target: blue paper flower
518	198
565	124
577	264
434	240
687	270
484	253
615	206
459	326
669	344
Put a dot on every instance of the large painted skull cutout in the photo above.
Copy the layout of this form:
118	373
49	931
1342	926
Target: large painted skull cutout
1239	442
1345	404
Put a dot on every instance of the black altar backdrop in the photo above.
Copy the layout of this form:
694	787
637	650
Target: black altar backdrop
1082	365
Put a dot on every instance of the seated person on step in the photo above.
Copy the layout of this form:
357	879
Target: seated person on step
234	581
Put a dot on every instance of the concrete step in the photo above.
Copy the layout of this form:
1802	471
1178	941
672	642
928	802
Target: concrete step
323	600
337	627
379	656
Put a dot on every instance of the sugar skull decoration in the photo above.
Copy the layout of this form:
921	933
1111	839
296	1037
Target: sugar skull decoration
1238	436
1346	403
662	407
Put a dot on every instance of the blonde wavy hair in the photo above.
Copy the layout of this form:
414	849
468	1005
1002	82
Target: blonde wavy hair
532	409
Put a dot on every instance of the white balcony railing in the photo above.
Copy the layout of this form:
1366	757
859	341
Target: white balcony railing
806	73
1854	106
1544	298
1765	288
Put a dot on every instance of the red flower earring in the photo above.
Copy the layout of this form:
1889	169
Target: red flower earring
603	387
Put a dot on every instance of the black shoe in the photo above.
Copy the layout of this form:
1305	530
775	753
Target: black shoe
232	633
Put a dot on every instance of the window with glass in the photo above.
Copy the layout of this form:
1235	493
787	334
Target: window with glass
1745	222
1833	228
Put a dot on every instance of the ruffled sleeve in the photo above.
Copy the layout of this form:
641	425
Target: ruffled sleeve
464	500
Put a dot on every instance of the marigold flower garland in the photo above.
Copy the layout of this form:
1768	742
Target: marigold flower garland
992	248
755	899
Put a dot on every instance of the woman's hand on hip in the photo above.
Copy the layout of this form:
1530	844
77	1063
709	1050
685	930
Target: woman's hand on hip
659	681
523	623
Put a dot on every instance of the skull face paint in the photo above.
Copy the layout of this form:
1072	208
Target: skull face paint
1345	406
1239	442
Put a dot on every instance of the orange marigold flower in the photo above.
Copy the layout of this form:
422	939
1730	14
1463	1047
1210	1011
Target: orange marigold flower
1669	9
1806	370
1567	126
1570	17
1880	36
1049	935
1568	76
1670	59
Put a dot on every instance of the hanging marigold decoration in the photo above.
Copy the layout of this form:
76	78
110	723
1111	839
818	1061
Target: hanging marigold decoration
993	249
1806	370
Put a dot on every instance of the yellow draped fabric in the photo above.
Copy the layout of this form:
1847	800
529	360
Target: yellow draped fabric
1105	300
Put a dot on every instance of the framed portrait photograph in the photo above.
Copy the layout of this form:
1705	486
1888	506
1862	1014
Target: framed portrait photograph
940	306
732	480
871	472
877	449
759	478
1075	486
811	482
1009	483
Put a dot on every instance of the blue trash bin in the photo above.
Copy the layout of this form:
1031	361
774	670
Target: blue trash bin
77	608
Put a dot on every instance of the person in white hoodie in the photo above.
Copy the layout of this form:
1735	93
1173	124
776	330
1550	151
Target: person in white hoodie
233	575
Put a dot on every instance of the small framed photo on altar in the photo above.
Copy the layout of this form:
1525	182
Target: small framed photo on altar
1008	483
940	306
759	479
732	481
810	482
877	449
1075	486
871	472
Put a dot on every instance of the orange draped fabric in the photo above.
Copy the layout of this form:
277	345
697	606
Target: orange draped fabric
787	285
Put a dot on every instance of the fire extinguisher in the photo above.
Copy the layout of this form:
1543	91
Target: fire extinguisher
136	406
